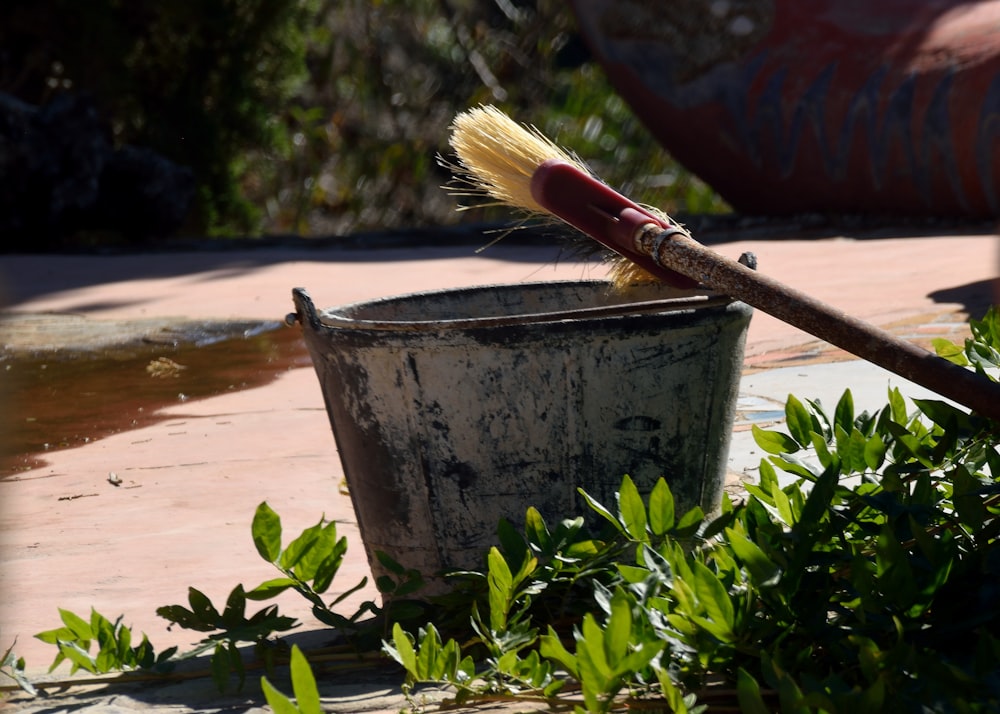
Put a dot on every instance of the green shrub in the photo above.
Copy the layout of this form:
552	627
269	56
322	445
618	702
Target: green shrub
324	116
197	82
388	78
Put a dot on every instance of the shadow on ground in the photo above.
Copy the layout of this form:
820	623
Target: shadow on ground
346	682
975	298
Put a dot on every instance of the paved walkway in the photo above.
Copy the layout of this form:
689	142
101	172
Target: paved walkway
189	484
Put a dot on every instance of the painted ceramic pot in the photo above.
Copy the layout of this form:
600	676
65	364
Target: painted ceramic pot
792	106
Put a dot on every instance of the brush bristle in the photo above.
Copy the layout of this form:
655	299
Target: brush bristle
496	160
497	157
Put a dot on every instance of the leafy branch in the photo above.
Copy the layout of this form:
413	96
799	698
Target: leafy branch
862	575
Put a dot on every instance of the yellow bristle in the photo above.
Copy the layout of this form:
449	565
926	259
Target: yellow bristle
496	160
624	274
497	157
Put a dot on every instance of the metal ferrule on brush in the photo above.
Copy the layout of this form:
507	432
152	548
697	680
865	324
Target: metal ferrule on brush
648	239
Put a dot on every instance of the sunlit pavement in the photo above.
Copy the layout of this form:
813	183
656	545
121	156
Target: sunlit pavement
180	517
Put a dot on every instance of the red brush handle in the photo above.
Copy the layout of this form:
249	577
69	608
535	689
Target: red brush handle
601	212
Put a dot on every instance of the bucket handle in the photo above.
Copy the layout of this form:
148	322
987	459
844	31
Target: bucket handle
663	305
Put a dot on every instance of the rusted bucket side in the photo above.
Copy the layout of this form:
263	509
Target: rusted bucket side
443	430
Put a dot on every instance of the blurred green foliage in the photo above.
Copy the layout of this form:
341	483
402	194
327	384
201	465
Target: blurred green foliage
197	82
326	116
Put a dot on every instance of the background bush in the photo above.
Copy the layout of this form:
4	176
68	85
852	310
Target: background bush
325	116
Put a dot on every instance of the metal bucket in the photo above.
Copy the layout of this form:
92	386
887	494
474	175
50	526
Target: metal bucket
453	409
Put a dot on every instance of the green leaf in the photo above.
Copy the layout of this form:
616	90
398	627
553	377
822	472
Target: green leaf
819	499
323	558
551	647
52	637
791	698
714	598
297	552
823	454
511	541
873	698
270	588
856	449
821	423
536	531
661	508
768	477
842	437
674	696
107	660
843	415
983	357
266	531
527	569
689	522
788	513
599	509
385	584
78	657
763	571
632	573
280	703
619	627
774	442
633	511
582	549
968	499
15	666
304	683
943	413
591	653
104	631
390	563
895	574
553	688
125	652
500	583
428	652
874	452
726	516
798	421
327	570
402	650
748	694
897	406
77	625
802	467
950	351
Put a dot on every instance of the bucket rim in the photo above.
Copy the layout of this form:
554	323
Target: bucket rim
682	300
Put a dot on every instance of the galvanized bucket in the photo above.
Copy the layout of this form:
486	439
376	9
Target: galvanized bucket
453	409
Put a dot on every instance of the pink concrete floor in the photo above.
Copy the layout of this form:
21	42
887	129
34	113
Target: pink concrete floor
190	484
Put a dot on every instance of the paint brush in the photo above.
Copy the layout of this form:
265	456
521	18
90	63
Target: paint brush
517	166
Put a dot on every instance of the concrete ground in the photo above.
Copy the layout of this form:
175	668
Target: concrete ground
189	484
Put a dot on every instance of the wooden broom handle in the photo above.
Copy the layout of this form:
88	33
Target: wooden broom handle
678	252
